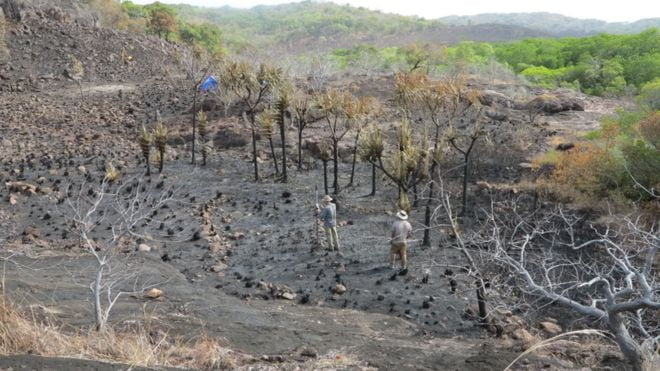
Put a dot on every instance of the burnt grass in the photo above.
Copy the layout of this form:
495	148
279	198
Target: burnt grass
239	259
236	259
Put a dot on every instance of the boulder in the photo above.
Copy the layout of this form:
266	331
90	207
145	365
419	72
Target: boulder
144	248
551	328
551	104
546	103
218	267
492	98
153	293
525	337
230	137
496	115
339	289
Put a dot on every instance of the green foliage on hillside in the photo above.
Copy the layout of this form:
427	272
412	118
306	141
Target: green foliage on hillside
602	64
598	65
556	24
159	19
264	25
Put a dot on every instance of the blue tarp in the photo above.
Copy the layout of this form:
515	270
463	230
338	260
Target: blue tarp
209	84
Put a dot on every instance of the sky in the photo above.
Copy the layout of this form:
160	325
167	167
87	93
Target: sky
611	11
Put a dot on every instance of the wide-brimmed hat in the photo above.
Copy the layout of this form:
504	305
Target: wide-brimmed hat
327	198
402	215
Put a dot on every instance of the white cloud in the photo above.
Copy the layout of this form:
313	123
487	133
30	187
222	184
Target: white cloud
614	11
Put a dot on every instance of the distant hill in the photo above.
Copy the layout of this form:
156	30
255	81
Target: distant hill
554	24
323	26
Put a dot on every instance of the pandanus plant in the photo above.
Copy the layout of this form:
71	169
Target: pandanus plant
371	150
266	122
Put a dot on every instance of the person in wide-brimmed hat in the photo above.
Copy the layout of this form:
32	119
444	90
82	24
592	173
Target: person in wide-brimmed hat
401	230
328	214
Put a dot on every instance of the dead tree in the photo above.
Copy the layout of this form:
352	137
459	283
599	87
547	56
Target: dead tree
605	272
464	134
366	109
301	103
195	65
125	210
339	110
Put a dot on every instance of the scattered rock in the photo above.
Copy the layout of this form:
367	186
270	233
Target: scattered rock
218	267
32	232
525	337
339	289
288	296
144	248
22	187
551	328
153	293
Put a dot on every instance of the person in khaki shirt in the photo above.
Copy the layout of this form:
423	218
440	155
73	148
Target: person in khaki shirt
328	215
401	230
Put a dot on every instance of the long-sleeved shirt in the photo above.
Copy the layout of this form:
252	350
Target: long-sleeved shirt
400	231
328	215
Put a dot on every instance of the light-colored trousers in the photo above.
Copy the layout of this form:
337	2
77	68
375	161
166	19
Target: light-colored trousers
332	237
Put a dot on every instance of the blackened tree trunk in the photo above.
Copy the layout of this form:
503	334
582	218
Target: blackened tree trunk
162	161
427	213
194	124
465	182
254	147
300	133
335	157
415	195
481	302
272	152
283	137
373	179
325	176
355	151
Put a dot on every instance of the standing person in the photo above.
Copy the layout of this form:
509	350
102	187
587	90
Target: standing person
401	230
328	214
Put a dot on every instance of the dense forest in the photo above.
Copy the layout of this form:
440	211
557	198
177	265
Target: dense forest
598	65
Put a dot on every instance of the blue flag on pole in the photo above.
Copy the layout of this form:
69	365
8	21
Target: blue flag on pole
209	84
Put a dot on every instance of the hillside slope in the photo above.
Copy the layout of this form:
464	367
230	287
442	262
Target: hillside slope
554	24
322	26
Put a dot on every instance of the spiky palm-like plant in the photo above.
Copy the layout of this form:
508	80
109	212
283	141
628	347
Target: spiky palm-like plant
251	86
145	140
371	150
111	172
160	140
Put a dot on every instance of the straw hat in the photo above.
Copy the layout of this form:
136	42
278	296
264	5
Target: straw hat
402	215
327	198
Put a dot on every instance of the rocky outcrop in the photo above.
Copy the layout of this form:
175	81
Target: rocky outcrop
552	104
